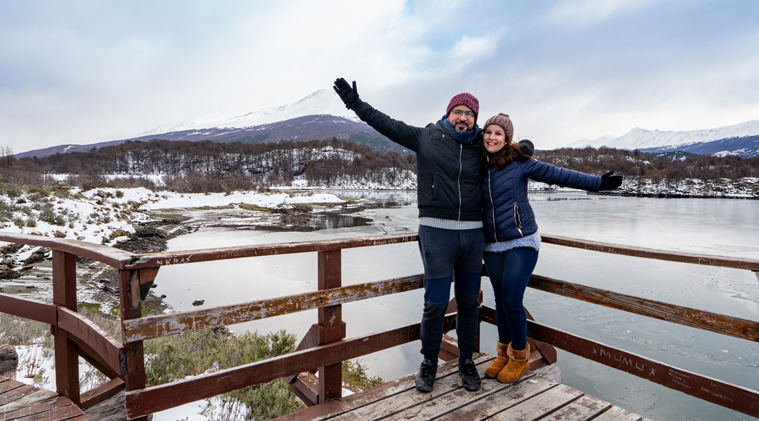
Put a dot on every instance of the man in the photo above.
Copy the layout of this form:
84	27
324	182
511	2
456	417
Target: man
451	239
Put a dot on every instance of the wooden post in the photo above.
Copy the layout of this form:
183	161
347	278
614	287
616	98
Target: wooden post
131	308
8	361
66	351
331	318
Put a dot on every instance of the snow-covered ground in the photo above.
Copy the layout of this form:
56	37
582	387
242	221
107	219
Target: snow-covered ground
106	215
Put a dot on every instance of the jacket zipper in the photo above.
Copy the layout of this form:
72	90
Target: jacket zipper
517	219
458	181
492	207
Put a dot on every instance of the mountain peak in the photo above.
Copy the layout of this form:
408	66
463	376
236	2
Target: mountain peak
323	101
639	138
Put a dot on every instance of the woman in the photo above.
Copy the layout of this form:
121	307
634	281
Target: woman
511	233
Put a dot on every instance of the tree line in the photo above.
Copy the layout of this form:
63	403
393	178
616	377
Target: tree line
212	166
651	166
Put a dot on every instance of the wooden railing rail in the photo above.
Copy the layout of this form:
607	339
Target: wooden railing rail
110	256
697	259
704	320
152	327
223	253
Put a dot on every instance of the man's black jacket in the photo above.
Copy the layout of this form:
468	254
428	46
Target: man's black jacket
448	173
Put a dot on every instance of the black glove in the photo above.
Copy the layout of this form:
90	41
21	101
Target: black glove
610	182
347	94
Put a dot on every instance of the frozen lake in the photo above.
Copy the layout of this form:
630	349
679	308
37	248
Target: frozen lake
709	226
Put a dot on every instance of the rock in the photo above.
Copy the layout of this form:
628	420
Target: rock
92	266
163	295
198	302
104	281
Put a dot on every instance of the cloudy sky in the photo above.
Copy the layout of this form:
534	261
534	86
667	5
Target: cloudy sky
91	71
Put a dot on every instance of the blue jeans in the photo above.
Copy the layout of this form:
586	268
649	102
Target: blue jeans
448	255
509	273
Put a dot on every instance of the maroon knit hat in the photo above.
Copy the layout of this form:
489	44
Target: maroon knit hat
504	121
464	99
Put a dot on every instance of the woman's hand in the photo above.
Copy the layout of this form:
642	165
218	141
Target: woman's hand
610	182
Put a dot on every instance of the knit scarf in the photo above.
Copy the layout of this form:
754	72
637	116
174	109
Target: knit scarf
461	137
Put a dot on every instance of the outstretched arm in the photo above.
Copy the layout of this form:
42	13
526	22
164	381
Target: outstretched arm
395	130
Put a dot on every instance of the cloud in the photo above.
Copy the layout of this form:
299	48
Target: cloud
85	72
583	13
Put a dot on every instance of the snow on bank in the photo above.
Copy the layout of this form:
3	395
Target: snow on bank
107	215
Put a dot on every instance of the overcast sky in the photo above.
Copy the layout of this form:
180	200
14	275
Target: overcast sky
90	71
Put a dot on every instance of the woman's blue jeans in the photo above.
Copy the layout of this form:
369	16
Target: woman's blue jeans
509	273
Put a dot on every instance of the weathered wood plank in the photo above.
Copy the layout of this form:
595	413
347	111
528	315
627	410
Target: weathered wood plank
705	320
306	387
98	252
98	340
584	408
499	398
67	412
15	394
31	398
314	337
712	390
698	259
171	324
158	398
616	413
28	309
457	399
102	392
8	358
8	384
377	393
408	404
539	405
223	253
12	412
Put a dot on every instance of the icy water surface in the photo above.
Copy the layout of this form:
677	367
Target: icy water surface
707	226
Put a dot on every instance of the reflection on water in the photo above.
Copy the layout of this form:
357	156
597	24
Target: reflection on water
706	226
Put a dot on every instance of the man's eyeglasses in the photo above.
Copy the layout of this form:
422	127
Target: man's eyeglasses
467	113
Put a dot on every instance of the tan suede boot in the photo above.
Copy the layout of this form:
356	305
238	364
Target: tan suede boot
518	364
496	366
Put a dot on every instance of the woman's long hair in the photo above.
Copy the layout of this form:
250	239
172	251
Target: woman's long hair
502	158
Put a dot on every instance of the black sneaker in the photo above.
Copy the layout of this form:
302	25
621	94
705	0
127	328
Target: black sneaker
469	376
426	376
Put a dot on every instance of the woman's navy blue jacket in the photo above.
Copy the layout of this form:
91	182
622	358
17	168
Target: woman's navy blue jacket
506	213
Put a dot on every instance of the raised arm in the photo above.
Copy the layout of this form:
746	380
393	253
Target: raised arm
395	130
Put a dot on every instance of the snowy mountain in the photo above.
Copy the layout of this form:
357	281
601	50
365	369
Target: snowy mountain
321	102
740	139
318	116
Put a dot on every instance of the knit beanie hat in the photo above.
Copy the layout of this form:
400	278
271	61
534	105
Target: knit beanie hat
464	99
504	121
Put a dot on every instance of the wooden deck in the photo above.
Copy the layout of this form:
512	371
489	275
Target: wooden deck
534	397
19	401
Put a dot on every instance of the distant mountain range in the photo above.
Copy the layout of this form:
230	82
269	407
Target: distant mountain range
322	115
740	139
318	116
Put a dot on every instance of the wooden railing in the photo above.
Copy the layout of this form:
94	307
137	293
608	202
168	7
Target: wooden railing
325	347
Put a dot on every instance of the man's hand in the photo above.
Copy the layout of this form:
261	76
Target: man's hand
347	94
610	182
